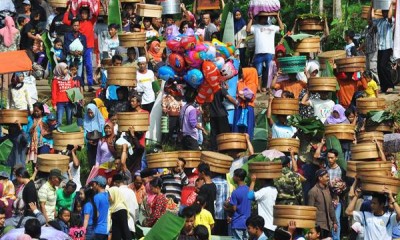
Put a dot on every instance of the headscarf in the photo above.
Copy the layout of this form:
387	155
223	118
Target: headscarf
157	56
24	237
117	200
59	71
238	24
312	66
102	108
95	123
110	139
342	117
8	32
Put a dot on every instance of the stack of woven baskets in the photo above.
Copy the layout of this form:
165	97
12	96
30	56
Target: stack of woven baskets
292	64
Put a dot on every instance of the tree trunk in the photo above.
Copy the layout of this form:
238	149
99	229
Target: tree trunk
337	9
311	5
321	7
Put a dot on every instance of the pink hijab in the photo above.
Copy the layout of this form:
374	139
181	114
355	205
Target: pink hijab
9	31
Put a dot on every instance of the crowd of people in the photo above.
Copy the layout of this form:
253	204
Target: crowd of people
120	192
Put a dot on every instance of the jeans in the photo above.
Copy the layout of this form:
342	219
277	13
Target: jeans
385	77
44	149
90	233
87	60
61	107
239	234
258	61
338	211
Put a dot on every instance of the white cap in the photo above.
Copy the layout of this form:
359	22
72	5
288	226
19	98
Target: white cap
27	2
142	59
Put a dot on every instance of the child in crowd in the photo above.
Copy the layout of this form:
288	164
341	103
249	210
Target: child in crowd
201	232
76	230
314	233
64	216
372	89
19	96
58	50
280	129
203	216
292	85
350	48
111	41
322	106
188	229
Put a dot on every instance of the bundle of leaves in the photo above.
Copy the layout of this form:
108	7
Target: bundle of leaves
375	118
309	126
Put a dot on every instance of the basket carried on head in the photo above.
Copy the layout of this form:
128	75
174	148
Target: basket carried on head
308	45
311	24
351	64
266	170
330	56
140	121
192	158
364	152
341	131
162	160
364	105
121	76
285	106
10	116
62	139
305	216
149	10
283	144
47	162
219	163
231	141
377	184
292	64
136	39
322	84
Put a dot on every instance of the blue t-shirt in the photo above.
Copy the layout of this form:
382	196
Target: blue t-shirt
243	207
88	209
101	201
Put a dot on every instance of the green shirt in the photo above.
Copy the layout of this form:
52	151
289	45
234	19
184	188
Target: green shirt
64	201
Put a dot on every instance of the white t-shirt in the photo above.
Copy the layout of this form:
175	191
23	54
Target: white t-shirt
145	86
76	175
266	198
282	131
264	36
132	204
376	227
322	108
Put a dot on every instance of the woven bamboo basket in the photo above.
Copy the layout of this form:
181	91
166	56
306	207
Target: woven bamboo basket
61	140
10	116
47	162
122	76
58	3
283	144
351	169
376	184
140	121
136	39
266	170
162	160
369	136
192	158
385	127
374	168
322	84
304	216
311	25
267	14
219	163
130	1
148	10
364	105
330	56
341	131
285	106
292	64
365	13
364	152
309	45
350	64
231	141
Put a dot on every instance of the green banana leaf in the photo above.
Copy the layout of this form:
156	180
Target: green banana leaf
333	142
49	54
229	32
309	126
114	13
377	117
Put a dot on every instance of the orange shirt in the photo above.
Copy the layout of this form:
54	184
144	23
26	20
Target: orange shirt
140	193
250	80
348	88
294	87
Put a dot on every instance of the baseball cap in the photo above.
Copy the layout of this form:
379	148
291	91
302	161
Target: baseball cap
142	59
100	180
56	173
26	2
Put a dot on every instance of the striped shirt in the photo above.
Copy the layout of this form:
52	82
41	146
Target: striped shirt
47	195
385	33
173	184
222	194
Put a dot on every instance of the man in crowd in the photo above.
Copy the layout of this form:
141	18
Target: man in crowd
320	197
47	194
98	184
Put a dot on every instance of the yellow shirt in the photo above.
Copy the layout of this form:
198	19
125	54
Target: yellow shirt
204	218
372	87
